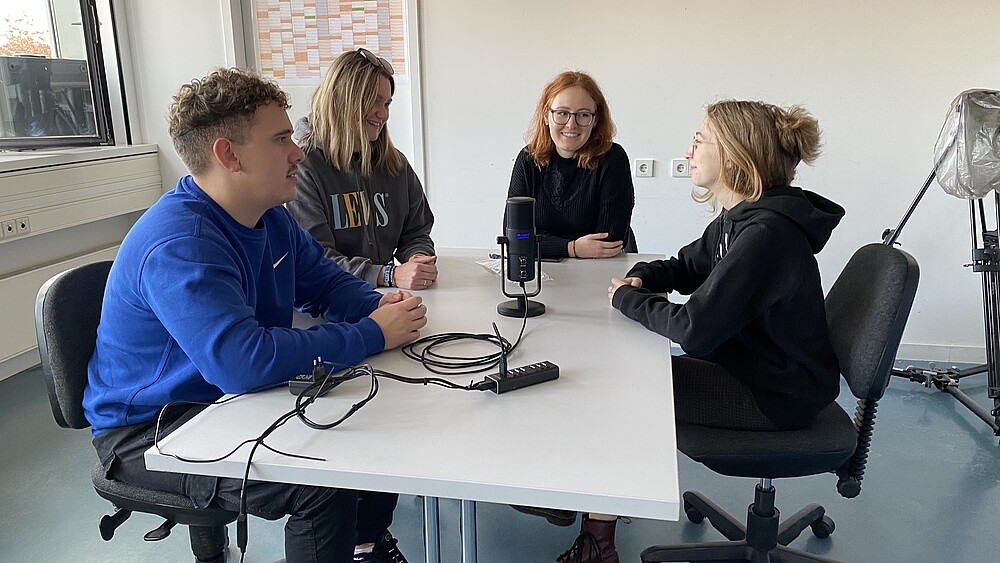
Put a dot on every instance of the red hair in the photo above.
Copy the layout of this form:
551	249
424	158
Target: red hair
540	144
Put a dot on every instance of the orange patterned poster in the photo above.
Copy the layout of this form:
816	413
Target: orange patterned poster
299	39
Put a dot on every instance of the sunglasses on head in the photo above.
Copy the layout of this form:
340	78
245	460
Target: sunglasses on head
374	59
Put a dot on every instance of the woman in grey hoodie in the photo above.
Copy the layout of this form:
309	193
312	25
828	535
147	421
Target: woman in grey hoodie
358	197
357	194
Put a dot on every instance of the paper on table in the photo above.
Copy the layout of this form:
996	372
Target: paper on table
493	265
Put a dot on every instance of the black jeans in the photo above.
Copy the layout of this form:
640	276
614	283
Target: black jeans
374	514
321	524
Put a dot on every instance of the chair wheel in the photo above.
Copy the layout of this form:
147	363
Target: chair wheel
849	487
823	527
693	514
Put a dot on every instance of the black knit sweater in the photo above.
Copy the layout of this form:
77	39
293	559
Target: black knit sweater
571	201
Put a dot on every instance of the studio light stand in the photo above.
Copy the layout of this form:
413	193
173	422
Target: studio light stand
969	161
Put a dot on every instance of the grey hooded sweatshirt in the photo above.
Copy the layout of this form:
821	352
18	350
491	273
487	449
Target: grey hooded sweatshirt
362	222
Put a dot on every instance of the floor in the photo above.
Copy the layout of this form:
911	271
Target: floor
931	493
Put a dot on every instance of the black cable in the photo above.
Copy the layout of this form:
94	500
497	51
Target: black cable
424	350
242	536
424	381
159	420
310	393
502	367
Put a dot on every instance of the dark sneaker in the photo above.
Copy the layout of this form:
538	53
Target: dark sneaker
553	515
385	551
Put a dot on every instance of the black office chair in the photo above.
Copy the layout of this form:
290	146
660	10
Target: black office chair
67	311
866	309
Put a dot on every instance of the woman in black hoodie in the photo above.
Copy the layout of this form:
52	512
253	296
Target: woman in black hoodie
754	326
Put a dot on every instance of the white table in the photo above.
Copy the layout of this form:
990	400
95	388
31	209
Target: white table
599	439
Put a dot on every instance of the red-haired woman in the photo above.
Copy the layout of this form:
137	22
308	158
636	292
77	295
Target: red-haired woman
580	179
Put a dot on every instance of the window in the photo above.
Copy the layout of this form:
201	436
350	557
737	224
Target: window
52	81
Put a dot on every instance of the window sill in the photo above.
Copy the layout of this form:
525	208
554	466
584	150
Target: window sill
40	158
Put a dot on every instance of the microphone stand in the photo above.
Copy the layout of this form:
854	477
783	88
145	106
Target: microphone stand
521	306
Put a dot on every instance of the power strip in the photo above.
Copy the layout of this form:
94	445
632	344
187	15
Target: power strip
523	376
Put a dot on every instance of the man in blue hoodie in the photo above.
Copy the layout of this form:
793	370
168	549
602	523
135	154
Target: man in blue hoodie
199	303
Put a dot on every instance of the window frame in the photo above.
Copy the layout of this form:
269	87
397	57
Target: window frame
98	91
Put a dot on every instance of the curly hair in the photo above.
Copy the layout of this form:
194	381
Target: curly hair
220	105
540	143
760	144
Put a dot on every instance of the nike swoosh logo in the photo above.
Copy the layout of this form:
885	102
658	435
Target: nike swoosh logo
280	259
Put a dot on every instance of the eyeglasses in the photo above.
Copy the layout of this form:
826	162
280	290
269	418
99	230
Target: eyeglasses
583	118
695	142
379	62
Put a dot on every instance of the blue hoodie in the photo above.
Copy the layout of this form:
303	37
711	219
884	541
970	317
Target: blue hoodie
198	305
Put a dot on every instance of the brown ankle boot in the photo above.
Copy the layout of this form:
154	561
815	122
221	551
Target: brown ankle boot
595	544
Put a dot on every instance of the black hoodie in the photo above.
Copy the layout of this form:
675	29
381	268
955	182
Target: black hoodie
756	301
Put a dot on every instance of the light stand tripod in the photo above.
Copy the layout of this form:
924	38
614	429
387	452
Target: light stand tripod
985	260
985	241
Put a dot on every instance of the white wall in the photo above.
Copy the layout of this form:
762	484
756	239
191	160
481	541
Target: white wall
172	43
878	76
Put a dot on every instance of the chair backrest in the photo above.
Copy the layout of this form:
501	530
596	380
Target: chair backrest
67	312
866	310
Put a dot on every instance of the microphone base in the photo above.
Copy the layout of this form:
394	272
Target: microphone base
517	308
